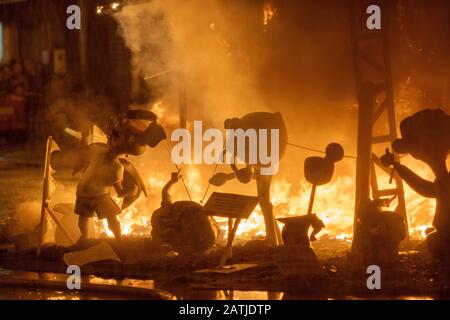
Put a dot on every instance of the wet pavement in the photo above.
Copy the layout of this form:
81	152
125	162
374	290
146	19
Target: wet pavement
48	285
19	285
20	180
19	293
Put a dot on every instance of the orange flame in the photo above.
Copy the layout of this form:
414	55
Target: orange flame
334	202
268	13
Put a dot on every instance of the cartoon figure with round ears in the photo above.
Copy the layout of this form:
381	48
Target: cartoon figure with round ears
426	136
258	121
104	169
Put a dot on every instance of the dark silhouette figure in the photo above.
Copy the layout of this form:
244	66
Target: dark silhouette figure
318	171
296	260
426	136
104	169
257	121
181	224
385	230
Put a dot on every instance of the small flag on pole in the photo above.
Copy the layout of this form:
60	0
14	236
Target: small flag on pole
48	187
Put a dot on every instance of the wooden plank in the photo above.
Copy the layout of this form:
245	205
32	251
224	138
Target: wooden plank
229	248
379	111
374	182
382	139
45	191
230	205
388	192
371	62
55	219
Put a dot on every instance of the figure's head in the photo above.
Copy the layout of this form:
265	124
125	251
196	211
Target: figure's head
132	131
259	139
124	142
425	135
334	152
233	123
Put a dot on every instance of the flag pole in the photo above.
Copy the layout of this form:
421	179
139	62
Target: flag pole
45	195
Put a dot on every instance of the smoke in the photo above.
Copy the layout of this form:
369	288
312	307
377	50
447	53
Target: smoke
26	218
78	111
201	47
230	63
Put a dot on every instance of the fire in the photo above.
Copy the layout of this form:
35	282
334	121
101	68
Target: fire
420	210
158	109
192	179
334	202
269	13
133	223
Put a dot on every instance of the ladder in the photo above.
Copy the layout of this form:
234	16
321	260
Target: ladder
373	79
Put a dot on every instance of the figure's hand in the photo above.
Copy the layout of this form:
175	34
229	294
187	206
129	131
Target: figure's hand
317	226
388	159
175	177
220	178
120	190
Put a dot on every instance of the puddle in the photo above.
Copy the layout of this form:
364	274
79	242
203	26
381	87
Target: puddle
120	289
18	293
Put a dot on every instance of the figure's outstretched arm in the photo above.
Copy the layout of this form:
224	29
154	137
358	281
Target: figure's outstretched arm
166	197
119	189
421	186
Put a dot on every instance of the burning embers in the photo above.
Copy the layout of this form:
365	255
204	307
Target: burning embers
108	9
268	13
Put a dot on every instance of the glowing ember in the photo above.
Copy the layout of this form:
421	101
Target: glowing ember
269	13
158	109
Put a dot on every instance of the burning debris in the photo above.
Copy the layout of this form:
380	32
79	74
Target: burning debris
112	8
